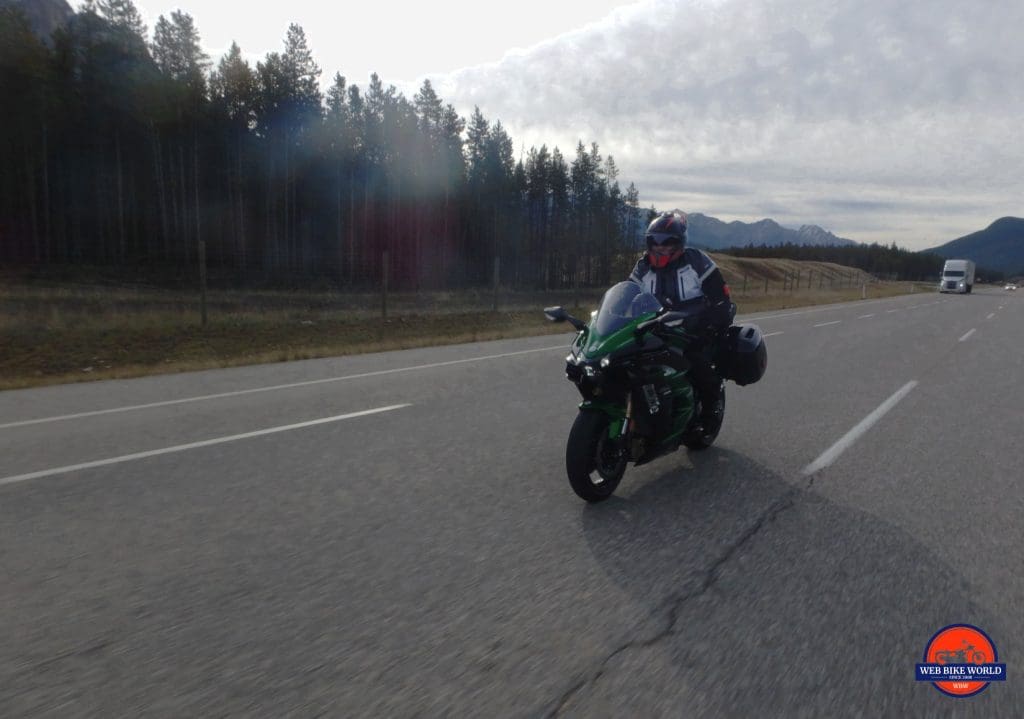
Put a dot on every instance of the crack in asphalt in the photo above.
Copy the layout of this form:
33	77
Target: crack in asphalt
676	602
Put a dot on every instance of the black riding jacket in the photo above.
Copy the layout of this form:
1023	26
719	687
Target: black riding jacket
690	281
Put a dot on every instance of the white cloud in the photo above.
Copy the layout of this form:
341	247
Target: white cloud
397	39
874	119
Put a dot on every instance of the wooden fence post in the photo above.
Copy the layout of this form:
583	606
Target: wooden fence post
384	285
202	279
497	275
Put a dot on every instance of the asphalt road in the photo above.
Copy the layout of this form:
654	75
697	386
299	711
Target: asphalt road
252	542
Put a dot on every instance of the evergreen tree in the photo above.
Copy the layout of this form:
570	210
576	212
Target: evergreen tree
233	92
126	20
233	88
23	70
178	53
124	153
478	134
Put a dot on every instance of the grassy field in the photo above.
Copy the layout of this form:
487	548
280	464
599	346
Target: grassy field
52	333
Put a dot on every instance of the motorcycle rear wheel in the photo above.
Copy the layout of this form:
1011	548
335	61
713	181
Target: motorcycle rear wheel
594	465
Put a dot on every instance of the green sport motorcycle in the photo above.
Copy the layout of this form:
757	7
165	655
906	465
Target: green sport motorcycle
638	404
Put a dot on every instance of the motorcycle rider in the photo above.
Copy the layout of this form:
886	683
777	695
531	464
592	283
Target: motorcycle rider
686	279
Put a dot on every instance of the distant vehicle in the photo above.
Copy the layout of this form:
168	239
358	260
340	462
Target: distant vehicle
957	276
1010	286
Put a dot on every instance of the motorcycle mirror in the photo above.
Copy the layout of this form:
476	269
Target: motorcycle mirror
556	314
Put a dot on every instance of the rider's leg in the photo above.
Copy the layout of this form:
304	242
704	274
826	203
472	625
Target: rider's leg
706	384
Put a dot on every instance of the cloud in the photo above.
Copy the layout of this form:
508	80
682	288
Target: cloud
844	110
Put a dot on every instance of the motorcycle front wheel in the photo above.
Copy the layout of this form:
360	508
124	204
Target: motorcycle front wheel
594	463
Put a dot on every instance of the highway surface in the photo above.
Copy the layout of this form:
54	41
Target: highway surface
393	535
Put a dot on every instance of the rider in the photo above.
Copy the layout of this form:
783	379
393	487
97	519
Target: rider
684	278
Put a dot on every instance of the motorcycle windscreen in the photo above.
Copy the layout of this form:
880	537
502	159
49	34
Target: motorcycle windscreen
622	304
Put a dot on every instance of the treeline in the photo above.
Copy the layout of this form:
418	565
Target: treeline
886	262
124	150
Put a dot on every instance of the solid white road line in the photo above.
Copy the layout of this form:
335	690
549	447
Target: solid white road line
191	445
847	440
826	324
254	390
968	335
864	317
772	334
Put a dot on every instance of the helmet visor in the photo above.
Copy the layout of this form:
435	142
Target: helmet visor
671	243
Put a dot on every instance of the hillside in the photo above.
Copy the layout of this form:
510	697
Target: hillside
1000	246
757	270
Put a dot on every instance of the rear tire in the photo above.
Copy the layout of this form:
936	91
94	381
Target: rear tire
589	445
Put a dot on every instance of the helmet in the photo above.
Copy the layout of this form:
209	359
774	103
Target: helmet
666	238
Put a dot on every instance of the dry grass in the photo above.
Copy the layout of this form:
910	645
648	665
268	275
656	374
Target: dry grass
73	332
107	347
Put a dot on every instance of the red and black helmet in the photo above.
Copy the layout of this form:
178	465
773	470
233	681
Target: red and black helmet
667	233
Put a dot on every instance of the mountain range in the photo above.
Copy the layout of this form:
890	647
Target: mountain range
1000	246
710	233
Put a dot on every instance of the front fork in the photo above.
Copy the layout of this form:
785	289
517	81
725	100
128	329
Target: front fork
619	423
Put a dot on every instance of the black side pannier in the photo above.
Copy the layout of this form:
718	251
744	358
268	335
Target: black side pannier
742	356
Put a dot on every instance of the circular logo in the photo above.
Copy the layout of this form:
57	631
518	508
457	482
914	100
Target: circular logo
964	658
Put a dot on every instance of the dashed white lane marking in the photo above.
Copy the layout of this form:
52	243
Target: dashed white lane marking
991	316
827	308
847	440
772	334
891	311
254	390
968	335
864	317
192	445
826	324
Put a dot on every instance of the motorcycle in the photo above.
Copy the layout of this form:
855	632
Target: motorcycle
967	654
629	365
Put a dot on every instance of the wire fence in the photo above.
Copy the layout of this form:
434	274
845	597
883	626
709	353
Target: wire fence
386	286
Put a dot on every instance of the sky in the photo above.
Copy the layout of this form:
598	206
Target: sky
878	121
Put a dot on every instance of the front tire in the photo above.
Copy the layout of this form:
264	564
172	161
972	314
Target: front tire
594	464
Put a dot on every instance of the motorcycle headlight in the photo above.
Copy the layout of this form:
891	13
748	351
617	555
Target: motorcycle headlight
589	371
605	362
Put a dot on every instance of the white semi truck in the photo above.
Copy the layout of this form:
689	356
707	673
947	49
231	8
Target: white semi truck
957	276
